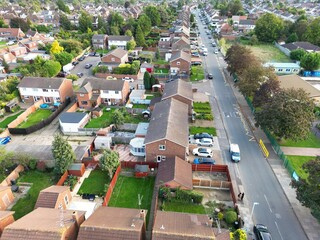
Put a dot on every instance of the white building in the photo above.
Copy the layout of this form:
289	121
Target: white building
119	41
70	122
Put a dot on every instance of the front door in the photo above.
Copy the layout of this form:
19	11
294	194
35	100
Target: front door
47	100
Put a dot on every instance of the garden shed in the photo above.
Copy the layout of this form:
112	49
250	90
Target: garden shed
138	97
141	170
137	147
70	122
10	105
76	169
102	142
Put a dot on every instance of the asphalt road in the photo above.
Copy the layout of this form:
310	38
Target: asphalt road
253	172
80	68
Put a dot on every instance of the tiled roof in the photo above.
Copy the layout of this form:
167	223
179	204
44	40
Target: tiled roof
41	82
182	226
303	45
181	55
178	87
113	223
176	170
119	38
48	197
99	36
102	84
169	120
118	52
43	224
4	214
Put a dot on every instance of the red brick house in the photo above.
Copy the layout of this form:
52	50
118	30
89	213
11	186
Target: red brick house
114	223
181	43
6	197
180	62
54	197
6	218
11	33
167	135
96	91
17	51
115	58
179	90
51	90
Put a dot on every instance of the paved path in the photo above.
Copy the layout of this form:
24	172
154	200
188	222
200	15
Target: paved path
298	151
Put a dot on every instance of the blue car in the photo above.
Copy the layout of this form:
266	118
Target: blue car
204	161
5	140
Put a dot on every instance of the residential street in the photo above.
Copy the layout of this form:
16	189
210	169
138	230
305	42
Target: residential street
253	174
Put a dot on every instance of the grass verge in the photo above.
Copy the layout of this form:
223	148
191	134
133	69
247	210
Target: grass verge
211	130
311	142
36	117
297	162
95	183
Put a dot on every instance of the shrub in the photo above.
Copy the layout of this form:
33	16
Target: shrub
73	77
189	196
231	217
33	164
220	216
239	234
71	181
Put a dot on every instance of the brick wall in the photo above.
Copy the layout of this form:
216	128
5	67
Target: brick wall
172	150
5	222
73	108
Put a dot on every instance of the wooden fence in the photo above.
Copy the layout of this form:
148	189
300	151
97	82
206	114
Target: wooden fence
111	187
133	164
62	179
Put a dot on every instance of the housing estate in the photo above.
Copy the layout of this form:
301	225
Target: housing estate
115	58
118	41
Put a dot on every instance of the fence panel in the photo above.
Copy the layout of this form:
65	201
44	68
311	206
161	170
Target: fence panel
62	179
111	186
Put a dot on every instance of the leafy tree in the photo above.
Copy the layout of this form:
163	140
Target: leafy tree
235	7
115	21
146	81
117	118
62	6
56	48
131	45
299	27
5	65
297	54
73	77
65	22
268	28
109	161
51	68
312	33
239	58
192	18
85	22
153	14
114	30
72	46
128	33
140	37
127	4
102	25
153	80
293	37
308	191
145	23
157	56
130	25
310	61
63	58
164	13
254	40
20	23
62	153
288	114
250	79
2	24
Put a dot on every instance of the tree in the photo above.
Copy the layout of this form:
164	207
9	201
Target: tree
140	37
293	37
297	54
239	234
153	14
192	18
308	191
85	22
65	22
310	61
153	80
238	58
117	118
268	28
251	79
254	40
72	46
128	33
127	4
2	24
145	24
312	33
299	27
62	6
115	21
157	56
20	23
5	65
63	58
131	45
289	114
109	161
235	7
146	80
55	48
62	153
51	68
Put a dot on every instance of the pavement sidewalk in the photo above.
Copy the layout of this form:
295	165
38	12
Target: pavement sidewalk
309	224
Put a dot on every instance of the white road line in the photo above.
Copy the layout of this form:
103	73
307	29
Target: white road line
265	197
278	230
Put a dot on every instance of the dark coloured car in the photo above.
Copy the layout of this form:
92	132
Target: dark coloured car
75	63
80	74
202	135
81	58
92	54
261	232
201	160
210	76
87	66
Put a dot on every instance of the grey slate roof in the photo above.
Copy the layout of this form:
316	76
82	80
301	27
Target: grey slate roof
41	82
99	36
72	117
247	22
119	38
303	45
169	120
101	84
178	87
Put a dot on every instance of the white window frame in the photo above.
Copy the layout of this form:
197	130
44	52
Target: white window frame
66	200
162	147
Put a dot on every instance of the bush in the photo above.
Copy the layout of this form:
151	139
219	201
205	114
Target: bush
239	234
71	181
204	116
33	164
73	77
231	217
189	196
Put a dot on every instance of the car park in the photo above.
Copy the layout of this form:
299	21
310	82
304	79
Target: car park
202	135
202	152
5	140
206	142
88	65
210	76
128	79
201	160
261	232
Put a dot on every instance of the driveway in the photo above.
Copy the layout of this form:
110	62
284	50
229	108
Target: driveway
80	68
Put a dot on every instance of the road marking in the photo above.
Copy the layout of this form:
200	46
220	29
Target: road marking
278	230
252	139
265	197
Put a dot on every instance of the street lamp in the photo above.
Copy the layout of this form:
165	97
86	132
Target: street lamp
254	204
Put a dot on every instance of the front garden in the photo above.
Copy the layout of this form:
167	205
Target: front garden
96	183
161	71
35	117
197	73
194	130
203	110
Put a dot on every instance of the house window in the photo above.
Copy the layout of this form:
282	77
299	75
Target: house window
35	89
84	102
178	63
162	147
287	70
57	99
280	70
24	89
112	59
44	90
105	91
116	92
26	97
81	95
161	158
66	200
95	91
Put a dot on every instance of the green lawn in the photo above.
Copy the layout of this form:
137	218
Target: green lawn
125	194
268	53
94	184
143	106
183	207
160	61
202	107
40	180
161	70
211	130
5	122
197	73
312	142
36	117
297	162
3	42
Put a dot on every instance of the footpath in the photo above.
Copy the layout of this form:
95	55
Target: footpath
309	224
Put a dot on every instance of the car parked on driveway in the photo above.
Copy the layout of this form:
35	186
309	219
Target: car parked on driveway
262	232
202	135
88	65
128	79
201	160
202	152
206	142
5	140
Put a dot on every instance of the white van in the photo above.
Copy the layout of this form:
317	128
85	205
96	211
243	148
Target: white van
235	152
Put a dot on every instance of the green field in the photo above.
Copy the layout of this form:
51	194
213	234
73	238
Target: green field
311	142
183	207
36	117
40	180
95	183
5	122
297	162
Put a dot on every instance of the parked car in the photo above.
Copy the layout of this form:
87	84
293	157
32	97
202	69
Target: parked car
111	78
204	161
202	152
128	79
80	74
202	135
86	54
206	142
75	63
81	58
10	43
210	76
5	140
209	37
216	51
88	65
92	54
262	232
